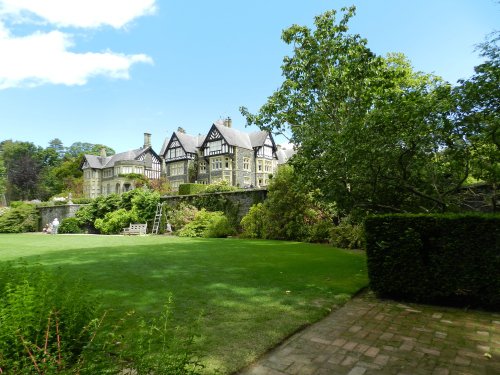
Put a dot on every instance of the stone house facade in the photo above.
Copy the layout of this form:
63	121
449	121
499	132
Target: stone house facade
223	154
103	175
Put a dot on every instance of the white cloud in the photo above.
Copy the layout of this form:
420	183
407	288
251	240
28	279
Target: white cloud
80	13
43	58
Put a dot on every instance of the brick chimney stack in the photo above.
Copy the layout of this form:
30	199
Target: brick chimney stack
103	152
147	140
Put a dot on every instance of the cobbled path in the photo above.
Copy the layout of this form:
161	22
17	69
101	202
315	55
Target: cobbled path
370	336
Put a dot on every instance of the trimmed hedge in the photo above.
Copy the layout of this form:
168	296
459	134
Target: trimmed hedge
439	259
189	189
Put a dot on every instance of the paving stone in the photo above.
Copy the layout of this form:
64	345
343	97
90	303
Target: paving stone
380	337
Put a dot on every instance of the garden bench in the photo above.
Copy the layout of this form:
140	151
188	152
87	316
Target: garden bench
135	229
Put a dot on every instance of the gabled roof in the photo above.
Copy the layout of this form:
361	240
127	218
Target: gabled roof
98	162
190	143
235	137
258	138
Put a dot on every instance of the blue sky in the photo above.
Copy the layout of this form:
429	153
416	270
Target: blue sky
106	71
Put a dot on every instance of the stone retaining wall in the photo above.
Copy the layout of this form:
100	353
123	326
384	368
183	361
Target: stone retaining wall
243	199
49	213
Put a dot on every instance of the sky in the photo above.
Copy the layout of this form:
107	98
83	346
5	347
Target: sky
107	71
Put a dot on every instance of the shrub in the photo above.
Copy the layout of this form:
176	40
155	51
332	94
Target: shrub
43	320
253	223
207	224
446	259
21	217
347	236
220	186
114	222
70	225
320	231
189	189
144	205
181	215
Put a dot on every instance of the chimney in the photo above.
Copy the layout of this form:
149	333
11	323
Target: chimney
147	140
103	152
228	122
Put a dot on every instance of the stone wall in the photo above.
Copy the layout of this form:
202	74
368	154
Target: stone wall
49	213
243	199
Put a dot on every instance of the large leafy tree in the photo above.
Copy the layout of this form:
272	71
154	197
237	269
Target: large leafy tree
479	114
371	134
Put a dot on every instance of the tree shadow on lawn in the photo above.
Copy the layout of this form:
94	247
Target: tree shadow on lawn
249	294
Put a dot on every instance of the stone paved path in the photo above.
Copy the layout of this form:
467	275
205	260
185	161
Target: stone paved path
370	336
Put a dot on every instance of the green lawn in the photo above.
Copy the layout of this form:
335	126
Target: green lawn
251	294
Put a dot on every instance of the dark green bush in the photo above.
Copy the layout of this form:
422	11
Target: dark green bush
21	217
442	259
253	223
189	189
70	225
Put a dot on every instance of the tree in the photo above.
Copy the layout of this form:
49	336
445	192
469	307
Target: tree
3	182
479	114
370	133
78	148
58	146
23	163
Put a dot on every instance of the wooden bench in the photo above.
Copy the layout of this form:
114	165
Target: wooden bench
135	229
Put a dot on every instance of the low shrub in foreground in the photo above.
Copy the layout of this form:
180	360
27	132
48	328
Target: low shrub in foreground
43	320
49	326
445	259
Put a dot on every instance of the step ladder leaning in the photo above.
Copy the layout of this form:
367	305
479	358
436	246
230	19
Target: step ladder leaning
157	220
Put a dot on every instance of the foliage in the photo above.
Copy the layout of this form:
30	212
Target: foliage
220	186
371	134
79	148
188	189
181	215
207	224
289	212
144	205
3	178
43	320
70	225
347	235
479	114
21	218
114	221
253	223
452	259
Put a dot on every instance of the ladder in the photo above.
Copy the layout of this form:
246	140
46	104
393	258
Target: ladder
157	221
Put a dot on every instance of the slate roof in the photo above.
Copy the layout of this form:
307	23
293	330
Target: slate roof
98	162
284	155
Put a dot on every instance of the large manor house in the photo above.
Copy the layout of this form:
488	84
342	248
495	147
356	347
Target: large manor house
223	154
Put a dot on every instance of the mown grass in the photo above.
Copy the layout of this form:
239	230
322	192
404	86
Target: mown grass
250	294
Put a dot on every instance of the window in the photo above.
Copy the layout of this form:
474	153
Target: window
203	182
138	170
268	166
203	167
259	165
247	181
177	169
127	170
228	163
215	146
246	164
216	164
268	152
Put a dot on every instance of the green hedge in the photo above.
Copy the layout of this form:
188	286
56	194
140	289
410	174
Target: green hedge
440	259
188	189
